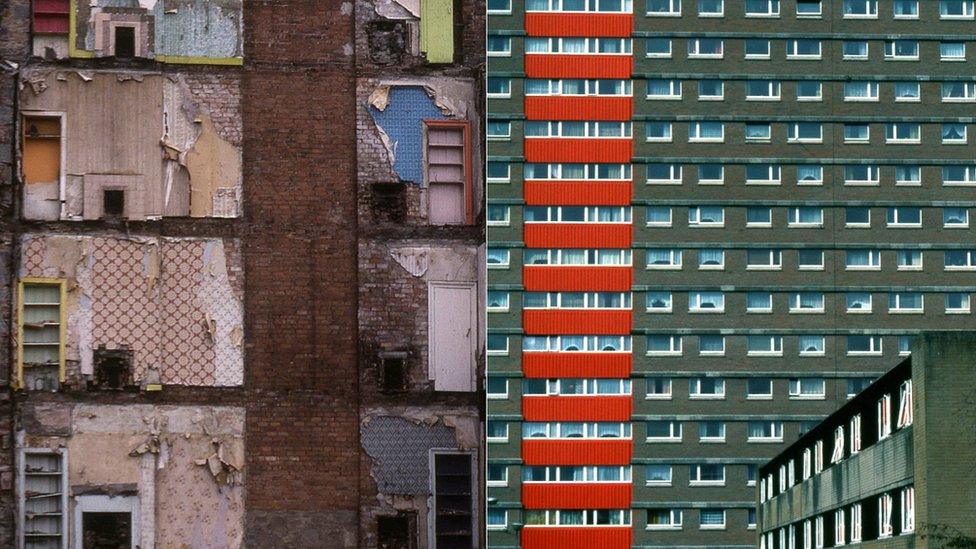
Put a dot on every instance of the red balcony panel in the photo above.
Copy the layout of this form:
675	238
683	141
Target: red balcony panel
577	193
564	278
589	537
554	364
605	451
577	495
578	235
577	408
547	107
579	24
576	322
563	149
561	65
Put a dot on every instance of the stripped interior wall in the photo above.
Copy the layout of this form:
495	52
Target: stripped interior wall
169	308
396	126
172	476
183	31
420	292
83	161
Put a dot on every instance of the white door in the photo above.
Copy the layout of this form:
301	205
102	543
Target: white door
452	334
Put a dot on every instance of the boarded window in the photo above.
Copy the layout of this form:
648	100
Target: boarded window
43	519
453	335
453	500
125	42
113	202
397	532
42	149
448	172
107	530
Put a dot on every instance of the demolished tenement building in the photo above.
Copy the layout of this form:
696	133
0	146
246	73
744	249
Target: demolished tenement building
241	248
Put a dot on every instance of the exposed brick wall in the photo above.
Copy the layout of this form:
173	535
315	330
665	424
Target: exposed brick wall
219	95
300	259
15	47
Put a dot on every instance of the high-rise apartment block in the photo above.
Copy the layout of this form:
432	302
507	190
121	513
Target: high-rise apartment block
710	224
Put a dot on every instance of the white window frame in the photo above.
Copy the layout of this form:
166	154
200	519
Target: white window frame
659	396
872	97
694	49
796	390
695	476
694	390
874	260
695	130
674	86
884	416
674	10
675	344
774	257
772	10
874	350
675	429
868	15
907	510
771	85
674	523
793	44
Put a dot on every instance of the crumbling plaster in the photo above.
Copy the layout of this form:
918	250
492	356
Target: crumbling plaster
180	28
175	302
159	453
391	138
398	441
183	158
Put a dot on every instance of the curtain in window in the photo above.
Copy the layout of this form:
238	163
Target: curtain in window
906	8
811	344
609	430
952	49
712	517
954	90
711	257
710	130
809	173
858	301
710	300
609	257
571	343
857	90
610	129
906	90
659	257
612	343
536	45
659	472
608	474
757	429
955	8
534	430
535	86
953	131
658	214
571	517
658	300
611	45
533	517
711	344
